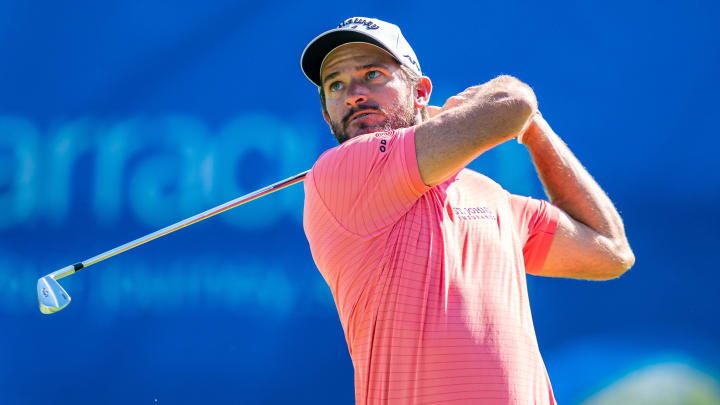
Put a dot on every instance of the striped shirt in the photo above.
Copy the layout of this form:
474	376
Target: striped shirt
429	283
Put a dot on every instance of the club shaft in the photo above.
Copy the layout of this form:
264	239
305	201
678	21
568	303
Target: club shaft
66	271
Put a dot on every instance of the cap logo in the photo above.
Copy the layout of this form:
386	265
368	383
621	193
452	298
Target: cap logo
354	22
412	61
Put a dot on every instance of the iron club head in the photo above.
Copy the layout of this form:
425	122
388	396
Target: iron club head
51	296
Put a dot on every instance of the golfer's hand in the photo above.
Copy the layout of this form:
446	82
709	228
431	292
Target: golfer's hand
454	101
472	93
434	110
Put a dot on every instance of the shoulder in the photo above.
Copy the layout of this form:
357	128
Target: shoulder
362	156
362	152
471	178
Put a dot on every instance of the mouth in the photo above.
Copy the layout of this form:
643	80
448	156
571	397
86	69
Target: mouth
362	114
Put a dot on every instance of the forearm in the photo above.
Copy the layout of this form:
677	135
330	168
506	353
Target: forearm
571	188
470	123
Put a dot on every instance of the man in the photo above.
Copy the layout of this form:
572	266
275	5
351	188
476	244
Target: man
426	260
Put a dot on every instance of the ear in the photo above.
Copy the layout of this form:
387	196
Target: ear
422	93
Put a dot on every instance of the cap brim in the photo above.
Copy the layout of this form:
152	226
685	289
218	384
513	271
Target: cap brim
323	44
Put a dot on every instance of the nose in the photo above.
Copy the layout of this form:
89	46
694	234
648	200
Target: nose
355	96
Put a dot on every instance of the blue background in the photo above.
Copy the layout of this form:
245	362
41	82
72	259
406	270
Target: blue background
118	118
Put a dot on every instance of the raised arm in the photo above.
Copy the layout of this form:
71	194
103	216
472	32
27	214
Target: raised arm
590	241
470	123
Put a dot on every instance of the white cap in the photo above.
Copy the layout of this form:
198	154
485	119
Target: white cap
358	29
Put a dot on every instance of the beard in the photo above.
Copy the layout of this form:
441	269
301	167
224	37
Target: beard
400	115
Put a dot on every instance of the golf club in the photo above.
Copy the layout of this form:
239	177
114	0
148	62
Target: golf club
52	297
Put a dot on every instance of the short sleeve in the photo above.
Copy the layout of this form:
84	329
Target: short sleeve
370	181
535	221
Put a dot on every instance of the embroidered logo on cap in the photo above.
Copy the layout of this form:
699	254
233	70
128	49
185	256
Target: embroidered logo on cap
413	61
354	22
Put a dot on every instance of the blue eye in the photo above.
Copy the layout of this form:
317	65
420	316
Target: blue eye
373	74
335	86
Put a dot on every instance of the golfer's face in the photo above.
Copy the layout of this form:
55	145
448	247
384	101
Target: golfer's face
364	91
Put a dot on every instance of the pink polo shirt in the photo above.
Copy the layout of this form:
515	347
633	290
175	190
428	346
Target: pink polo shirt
429	283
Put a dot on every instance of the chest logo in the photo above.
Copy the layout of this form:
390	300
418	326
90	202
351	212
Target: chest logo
474	213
